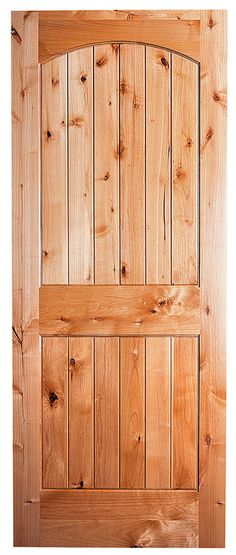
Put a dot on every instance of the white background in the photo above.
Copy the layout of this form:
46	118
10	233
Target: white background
6	524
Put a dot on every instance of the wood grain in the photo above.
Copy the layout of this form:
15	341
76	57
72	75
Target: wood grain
158	393
126	519
80	108
213	291
107	412
158	209
184	412
106	309
132	412
59	36
106	133
26	348
81	413
135	533
84	15
54	172
132	163
185	171
54	418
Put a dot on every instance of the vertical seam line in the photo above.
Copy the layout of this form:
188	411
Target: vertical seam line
171	169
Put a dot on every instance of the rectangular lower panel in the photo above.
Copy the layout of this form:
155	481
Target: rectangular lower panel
119	519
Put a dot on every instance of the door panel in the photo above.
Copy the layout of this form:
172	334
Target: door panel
81	412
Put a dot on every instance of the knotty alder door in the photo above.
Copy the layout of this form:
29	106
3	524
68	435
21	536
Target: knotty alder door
126	429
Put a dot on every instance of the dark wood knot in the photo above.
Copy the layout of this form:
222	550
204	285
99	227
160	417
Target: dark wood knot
165	63
83	78
72	361
53	397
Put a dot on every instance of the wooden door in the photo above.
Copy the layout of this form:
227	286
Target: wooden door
126	335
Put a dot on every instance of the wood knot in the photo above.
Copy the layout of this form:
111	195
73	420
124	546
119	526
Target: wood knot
45	253
130	16
209	134
49	135
83	78
106	176
165	63
72	361
81	483
189	143
16	35
124	88
208	440
211	23
112	210
102	61
154	311
216	96
136	103
55	82
123	270
22	93
139	438
180	173
207	309
53	397
164	301
78	122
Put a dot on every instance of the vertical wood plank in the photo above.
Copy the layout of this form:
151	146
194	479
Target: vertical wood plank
158	216
80	99
158	412
54	172
213	277
26	348
184	412
132	412
106	412
54	421
132	163
185	170
106	133
81	417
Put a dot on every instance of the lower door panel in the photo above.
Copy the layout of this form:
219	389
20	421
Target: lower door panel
78	518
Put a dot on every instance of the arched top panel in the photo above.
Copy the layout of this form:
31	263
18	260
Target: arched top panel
58	36
120	147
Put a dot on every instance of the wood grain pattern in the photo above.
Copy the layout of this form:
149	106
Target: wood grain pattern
54	419
84	15
107	412
213	263
113	504
57	37
132	412
185	171
26	346
54	172
80	99
158	213
132	163
158	393
106	133
126	519
136	533
106	309
184	412
81	413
